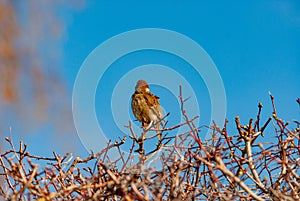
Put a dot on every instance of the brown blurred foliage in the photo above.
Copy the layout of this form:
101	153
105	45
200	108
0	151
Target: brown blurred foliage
31	84
9	67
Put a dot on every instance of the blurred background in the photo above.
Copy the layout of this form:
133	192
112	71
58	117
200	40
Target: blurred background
255	47
35	94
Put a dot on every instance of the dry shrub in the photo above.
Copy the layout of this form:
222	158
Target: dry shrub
225	167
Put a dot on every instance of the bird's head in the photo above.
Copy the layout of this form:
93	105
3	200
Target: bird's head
142	86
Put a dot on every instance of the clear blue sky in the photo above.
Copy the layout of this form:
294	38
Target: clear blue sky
255	47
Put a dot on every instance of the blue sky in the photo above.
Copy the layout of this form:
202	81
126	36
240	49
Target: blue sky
255	47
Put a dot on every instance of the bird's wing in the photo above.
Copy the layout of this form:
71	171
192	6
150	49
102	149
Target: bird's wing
153	103
151	99
140	107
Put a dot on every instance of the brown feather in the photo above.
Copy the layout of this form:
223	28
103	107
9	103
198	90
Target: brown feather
145	105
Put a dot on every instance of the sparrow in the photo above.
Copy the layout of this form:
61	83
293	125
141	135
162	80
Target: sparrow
146	108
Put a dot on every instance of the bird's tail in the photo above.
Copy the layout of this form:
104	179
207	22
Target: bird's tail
158	131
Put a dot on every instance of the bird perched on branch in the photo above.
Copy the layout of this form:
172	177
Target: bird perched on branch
146	108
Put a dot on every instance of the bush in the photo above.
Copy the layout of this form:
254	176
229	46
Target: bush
225	167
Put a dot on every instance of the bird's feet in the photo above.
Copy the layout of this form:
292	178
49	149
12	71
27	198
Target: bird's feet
147	126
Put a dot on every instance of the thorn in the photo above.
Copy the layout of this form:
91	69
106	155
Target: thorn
186	99
272	97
